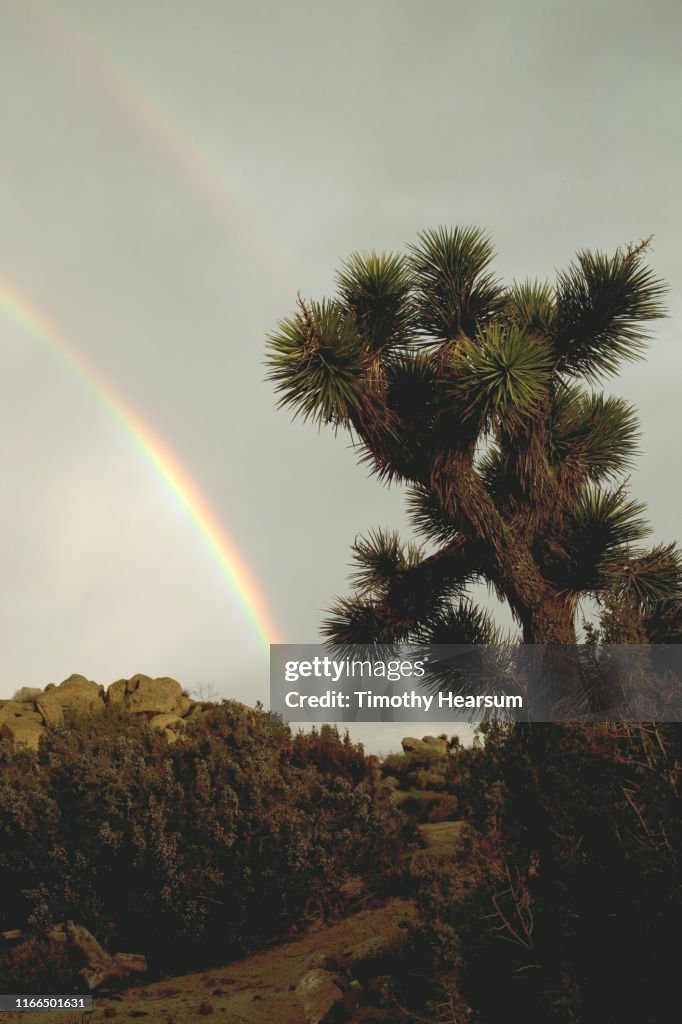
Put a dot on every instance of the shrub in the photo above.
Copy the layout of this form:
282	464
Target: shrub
38	966
565	902
190	852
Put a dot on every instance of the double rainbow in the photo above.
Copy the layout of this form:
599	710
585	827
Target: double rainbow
176	479
163	127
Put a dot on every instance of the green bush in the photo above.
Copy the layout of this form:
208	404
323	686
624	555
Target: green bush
188	852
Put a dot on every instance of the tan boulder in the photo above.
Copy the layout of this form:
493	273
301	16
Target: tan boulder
320	996
76	692
101	968
13	709
144	694
22	730
171	725
27	694
116	692
183	706
86	944
430	745
437	742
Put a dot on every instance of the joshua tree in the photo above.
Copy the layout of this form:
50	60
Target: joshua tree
481	398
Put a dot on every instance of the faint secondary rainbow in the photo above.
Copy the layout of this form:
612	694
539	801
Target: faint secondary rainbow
161	125
176	479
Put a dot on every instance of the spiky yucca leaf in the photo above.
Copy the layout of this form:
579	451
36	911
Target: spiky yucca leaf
503	373
461	623
598	532
357	622
316	361
602	303
378	558
592	435
429	517
454	292
530	306
612	521
376	288
452	647
647	577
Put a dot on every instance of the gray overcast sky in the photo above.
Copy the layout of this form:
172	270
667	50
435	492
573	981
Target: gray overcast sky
327	128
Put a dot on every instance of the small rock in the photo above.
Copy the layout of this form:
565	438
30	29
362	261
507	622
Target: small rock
321	997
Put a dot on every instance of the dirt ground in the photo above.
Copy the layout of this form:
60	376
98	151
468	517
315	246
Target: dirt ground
258	989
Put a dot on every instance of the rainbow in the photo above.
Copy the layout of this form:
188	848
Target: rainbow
176	479
161	125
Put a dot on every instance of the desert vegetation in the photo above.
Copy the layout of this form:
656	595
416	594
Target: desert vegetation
484	400
189	852
527	875
533	876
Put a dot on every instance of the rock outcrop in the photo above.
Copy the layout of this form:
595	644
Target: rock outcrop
20	723
162	701
433	745
101	968
141	693
75	694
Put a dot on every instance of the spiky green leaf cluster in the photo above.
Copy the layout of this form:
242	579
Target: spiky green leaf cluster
316	362
602	303
454	290
648	578
530	306
501	373
375	287
599	532
379	558
593	436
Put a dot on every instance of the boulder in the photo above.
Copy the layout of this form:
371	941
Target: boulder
143	694
437	742
86	944
100	967
27	694
323	961
13	709
116	692
19	723
118	968
183	706
171	725
321	997
24	731
76	692
434	747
